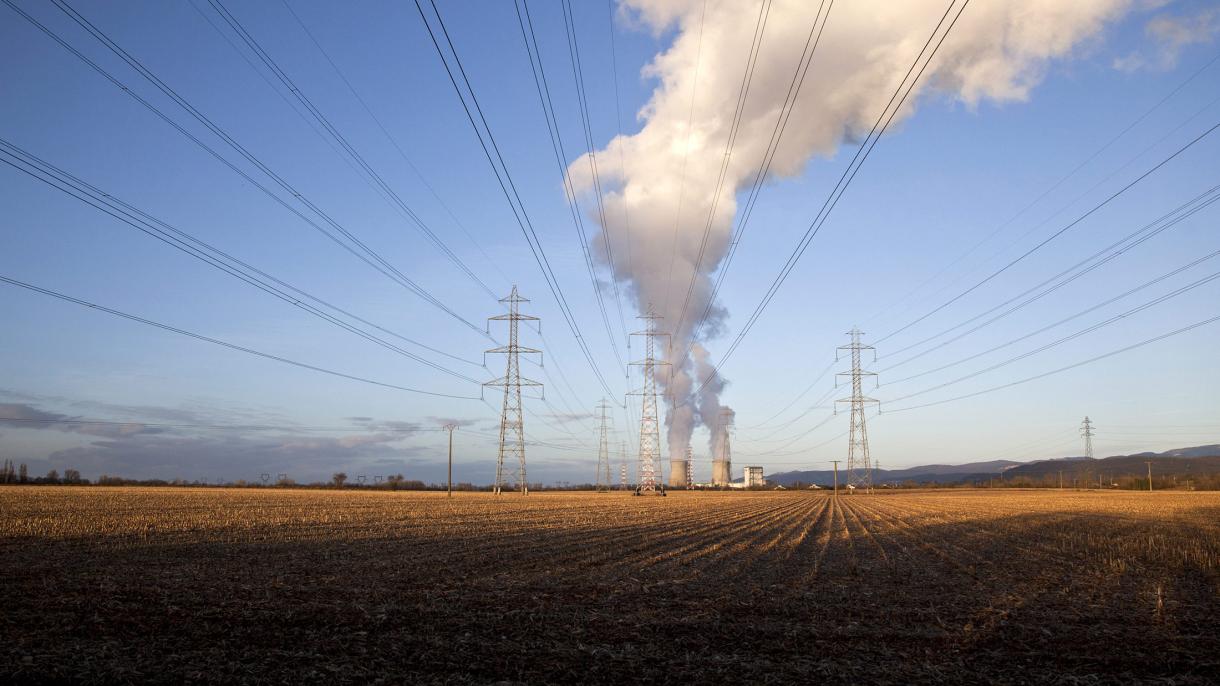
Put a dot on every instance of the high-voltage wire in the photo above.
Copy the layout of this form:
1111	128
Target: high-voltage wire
1096	153
200	250
1096	358
1054	235
1072	273
1048	327
817	404
743	92
781	125
542	86
393	141
618	120
1070	337
690	118
330	128
879	127
578	74
365	253
504	178
225	344
77	421
797	399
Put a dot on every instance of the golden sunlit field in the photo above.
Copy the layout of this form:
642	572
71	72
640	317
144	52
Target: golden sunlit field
283	586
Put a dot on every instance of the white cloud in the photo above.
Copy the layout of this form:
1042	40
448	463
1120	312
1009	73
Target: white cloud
998	51
1170	35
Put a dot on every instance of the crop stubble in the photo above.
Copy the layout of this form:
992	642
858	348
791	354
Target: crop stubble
266	585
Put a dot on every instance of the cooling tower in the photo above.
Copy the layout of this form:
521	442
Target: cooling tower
722	472
677	473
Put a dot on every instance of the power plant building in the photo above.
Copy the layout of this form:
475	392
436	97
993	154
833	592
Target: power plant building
754	477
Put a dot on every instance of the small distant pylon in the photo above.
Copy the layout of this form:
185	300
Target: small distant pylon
512	426
603	450
622	465
650	432
1086	430
859	467
690	467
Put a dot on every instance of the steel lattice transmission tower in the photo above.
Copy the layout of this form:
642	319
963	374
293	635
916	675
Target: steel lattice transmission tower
650	431
690	467
1086	430
603	450
622	464
512	427
859	467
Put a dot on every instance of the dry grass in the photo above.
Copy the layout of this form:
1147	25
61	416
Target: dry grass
113	584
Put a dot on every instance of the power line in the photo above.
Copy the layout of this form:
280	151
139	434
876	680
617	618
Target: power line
1055	185
504	178
1087	330
579	75
618	120
777	131
802	394
222	427
91	195
364	253
394	141
386	190
848	175
543	89
1072	273
215	341
1054	235
1081	363
743	91
1093	308
690	118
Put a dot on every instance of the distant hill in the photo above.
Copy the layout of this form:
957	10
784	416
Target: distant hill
1119	467
933	473
1180	462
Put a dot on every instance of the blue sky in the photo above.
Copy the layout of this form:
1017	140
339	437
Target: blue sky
944	178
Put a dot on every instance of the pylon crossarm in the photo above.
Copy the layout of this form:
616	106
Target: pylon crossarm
508	349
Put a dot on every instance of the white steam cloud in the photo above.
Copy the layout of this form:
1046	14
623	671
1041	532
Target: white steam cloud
658	202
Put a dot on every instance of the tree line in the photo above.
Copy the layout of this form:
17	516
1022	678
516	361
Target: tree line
20	474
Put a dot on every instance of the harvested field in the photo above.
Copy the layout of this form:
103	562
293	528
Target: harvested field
272	586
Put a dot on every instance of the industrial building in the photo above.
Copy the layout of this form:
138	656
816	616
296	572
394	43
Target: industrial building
754	477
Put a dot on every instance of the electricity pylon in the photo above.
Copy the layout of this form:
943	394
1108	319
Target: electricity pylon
1086	430
722	457
603	451
650	432
690	467
622	464
512	427
859	467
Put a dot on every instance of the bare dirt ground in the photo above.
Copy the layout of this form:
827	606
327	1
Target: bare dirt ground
108	585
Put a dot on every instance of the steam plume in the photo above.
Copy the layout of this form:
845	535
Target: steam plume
658	201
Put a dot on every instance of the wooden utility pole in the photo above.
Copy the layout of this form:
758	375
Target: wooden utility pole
836	491
450	427
1149	463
